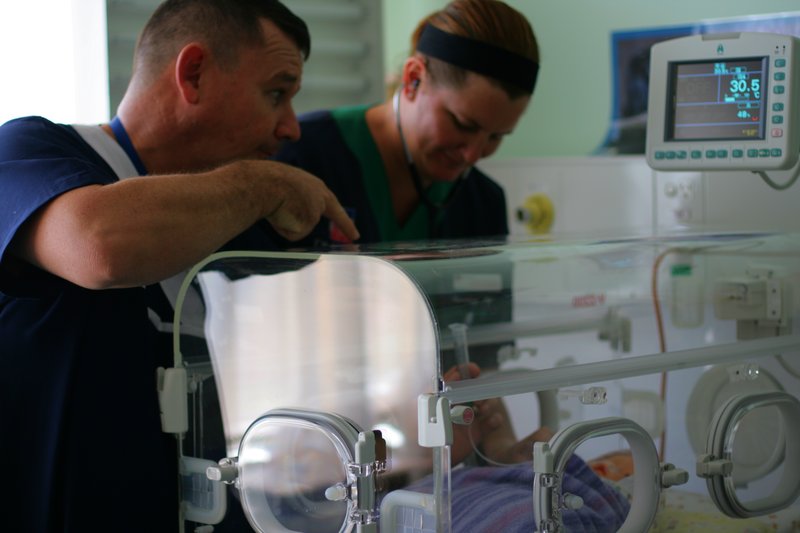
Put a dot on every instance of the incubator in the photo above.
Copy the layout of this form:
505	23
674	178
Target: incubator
328	392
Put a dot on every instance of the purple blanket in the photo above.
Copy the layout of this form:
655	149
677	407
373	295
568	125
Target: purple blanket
500	499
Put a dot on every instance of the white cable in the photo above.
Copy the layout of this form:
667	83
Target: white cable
776	186
480	454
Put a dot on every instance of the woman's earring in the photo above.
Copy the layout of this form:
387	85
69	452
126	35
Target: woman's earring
412	89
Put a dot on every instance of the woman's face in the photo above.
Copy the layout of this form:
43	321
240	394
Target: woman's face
450	129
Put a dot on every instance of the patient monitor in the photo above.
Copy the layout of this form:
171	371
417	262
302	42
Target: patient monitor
724	102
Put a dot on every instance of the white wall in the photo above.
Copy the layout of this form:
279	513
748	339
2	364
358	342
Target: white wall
621	196
53	60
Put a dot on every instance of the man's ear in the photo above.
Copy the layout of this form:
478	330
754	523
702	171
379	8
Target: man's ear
189	67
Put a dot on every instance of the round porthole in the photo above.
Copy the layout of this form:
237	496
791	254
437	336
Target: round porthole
718	464
760	442
289	462
550	458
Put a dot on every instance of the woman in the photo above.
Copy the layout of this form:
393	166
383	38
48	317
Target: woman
404	168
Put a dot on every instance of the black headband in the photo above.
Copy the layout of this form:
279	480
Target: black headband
478	56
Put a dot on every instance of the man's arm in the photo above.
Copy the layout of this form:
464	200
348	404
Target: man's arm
143	230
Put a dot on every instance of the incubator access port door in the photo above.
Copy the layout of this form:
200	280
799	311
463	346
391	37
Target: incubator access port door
550	461
760	445
718	465
300	470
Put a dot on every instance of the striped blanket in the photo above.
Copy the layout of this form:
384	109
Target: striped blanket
488	499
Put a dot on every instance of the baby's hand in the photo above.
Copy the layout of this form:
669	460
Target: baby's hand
518	452
491	429
455	373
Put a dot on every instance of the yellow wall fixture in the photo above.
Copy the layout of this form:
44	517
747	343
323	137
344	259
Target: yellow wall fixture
538	213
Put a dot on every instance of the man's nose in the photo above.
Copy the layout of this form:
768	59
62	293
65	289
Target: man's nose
288	129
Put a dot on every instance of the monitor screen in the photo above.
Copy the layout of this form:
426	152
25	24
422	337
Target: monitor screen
717	99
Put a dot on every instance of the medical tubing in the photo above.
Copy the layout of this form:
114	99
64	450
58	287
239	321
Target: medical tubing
779	187
483	456
662	341
460	348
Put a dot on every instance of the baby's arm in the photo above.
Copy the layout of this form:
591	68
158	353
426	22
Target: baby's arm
491	430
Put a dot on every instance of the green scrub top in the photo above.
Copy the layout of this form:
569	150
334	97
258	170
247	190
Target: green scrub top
352	123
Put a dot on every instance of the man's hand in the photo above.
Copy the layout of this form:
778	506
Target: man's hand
302	200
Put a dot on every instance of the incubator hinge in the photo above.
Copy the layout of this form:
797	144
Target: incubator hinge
361	488
550	481
369	461
549	526
366	470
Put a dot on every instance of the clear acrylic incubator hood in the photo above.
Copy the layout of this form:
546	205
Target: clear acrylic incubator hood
338	390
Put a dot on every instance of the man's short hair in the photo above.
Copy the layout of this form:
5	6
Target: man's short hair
223	25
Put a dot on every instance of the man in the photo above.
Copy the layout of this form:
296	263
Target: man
92	218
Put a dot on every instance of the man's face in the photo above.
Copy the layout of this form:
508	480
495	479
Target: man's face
247	111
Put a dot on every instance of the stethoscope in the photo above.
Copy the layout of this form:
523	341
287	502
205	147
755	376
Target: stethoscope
433	207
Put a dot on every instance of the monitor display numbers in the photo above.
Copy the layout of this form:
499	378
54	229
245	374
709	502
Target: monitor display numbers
717	100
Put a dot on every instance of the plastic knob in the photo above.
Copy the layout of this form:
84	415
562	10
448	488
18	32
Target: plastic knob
225	471
336	493
572	501
671	476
